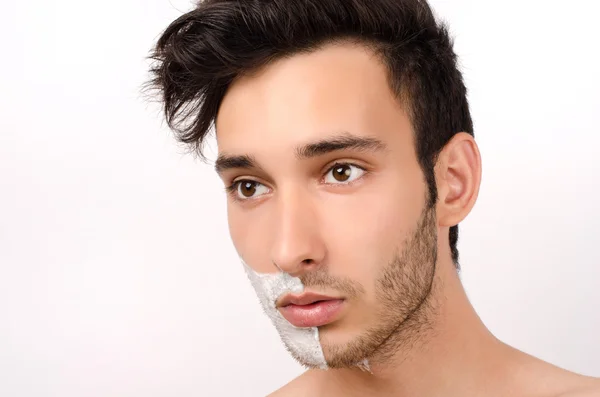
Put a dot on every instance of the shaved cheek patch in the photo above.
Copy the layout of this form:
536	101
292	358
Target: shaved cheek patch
303	343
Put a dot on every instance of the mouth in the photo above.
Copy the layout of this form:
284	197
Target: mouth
309	309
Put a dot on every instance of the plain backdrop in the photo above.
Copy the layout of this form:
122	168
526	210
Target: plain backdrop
117	272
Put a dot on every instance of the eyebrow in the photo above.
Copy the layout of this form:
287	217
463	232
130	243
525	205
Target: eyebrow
343	141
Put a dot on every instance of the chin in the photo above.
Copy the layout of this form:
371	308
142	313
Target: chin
342	347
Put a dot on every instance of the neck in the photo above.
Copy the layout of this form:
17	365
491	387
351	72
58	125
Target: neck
452	354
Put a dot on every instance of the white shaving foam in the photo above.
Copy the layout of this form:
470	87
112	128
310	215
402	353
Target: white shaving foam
303	343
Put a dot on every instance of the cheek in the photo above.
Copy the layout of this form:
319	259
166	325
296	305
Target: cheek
369	227
248	237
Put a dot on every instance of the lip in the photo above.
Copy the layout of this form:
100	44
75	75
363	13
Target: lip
305	298
310	309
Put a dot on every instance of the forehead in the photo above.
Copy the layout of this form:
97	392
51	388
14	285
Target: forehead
305	97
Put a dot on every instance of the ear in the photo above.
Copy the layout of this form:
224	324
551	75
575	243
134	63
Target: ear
458	177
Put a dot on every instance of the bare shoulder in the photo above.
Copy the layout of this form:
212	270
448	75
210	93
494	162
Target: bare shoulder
565	383
299	387
537	377
287	391
584	387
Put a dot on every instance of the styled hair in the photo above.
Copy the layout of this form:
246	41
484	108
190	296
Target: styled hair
202	52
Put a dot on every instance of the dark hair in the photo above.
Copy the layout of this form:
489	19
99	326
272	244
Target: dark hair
201	53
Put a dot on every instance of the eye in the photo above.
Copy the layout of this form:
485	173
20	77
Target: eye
246	189
343	173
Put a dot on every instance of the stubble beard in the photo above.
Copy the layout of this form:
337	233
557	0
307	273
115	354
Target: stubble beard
406	311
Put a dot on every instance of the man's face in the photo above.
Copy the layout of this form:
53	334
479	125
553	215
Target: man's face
350	223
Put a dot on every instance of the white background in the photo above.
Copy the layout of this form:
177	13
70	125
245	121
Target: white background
117	274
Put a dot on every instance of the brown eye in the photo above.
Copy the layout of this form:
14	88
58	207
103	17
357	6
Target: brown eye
341	174
247	189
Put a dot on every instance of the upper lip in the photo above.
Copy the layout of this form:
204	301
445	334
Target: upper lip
305	298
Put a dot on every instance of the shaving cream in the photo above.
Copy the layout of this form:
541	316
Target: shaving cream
302	343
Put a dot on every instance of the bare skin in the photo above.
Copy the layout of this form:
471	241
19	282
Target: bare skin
473	363
303	224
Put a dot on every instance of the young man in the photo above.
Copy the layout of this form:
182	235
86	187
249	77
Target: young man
346	145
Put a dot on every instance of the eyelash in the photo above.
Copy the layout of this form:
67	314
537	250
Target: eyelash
232	189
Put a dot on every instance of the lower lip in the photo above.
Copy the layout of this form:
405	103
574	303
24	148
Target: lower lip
313	315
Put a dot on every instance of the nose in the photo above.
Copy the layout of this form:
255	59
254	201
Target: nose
297	245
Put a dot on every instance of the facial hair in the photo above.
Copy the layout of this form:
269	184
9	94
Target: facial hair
403	291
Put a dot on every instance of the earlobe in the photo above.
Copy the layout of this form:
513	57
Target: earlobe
458	175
